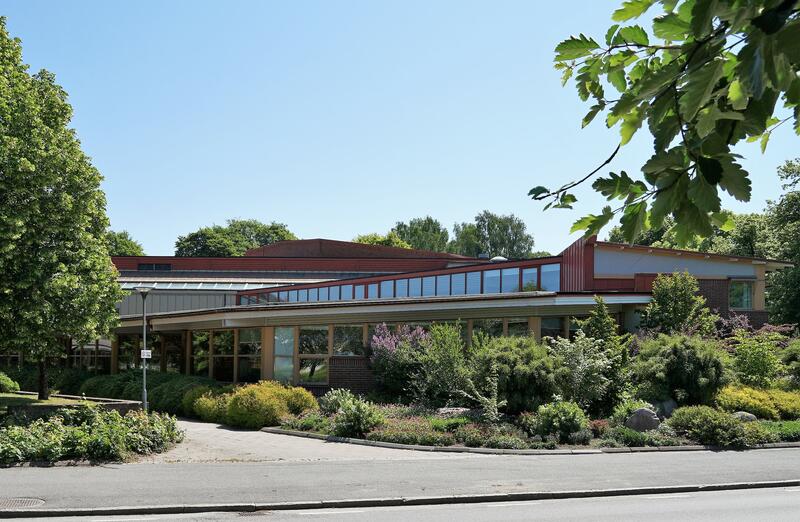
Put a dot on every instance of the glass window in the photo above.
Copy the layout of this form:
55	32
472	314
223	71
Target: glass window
249	360
401	288
284	296
348	339
473	282
443	285
510	280
428	286
223	355
491	281
347	292
458	284
292	296
359	292
552	327
490	327
200	345
223	342
387	289
414	287
372	291
741	295
313	295
313	340
272	297
529	279
173	352
283	365
302	296
551	278
323	293
128	345
314	371
334	293
518	326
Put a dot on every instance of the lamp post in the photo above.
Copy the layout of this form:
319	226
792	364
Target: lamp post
143	291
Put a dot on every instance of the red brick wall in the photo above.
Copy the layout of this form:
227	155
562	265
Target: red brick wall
716	293
348	372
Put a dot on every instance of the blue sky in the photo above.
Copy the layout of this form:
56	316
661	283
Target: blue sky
336	118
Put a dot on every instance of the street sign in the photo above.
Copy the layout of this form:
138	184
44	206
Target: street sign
147	354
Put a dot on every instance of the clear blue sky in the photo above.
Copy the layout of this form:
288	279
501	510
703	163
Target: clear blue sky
336	118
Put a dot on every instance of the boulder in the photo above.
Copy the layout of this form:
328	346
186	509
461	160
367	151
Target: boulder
745	416
642	420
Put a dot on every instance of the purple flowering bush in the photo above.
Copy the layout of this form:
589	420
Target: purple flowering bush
395	358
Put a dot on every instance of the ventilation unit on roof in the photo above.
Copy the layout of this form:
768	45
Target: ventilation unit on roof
498	259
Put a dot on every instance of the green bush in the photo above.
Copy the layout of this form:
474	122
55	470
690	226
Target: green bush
311	421
212	407
677	307
624	409
791	362
470	435
330	403
787	403
168	396
627	437
756	361
414	430
582	365
7	384
448	424
525	371
299	400
786	431
63	380
751	400
443	372
560	419
189	398
581	437
501	441
688	369
356	418
257	405
709	426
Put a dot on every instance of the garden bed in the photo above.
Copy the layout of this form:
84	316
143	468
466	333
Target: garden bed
28	403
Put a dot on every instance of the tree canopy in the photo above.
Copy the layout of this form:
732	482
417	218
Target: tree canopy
494	235
423	233
708	75
122	244
232	239
56	277
392	239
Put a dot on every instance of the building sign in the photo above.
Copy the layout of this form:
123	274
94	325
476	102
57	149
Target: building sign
147	354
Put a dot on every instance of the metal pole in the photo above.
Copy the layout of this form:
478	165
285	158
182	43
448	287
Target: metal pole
144	347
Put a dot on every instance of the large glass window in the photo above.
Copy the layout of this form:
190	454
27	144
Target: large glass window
443	285
517	326
372	291
490	327
428	286
530	279
552	327
551	278
414	287
292	296
387	289
359	292
283	297
126	356
313	295
272	297
200	345
223	355
313	350
283	366
302	296
473	282
348	339
347	292
335	293
313	340
491	281
323	293
458	284
401	288
173	353
510	280
249	359
314	371
741	295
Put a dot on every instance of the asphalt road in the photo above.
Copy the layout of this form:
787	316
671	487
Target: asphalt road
747	505
266	482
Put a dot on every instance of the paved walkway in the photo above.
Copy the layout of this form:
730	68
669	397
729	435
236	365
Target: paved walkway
207	442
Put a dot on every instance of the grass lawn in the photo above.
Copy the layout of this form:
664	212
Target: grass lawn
12	399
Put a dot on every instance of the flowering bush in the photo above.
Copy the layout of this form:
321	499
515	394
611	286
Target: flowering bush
395	357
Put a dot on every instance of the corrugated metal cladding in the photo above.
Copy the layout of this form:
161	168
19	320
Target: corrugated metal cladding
175	301
627	262
573	263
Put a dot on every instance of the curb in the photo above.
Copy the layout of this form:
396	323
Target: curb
390	501
494	451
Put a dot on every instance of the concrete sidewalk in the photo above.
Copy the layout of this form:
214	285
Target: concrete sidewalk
162	484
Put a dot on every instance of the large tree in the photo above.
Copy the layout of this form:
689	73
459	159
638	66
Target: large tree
493	235
122	244
784	286
706	77
423	233
56	278
391	240
232	239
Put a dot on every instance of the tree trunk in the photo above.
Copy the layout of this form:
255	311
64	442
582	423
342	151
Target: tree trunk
44	391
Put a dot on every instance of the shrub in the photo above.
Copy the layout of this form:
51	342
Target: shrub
470	435
394	358
449	424
299	400
7	384
624	409
189	398
442	372
786	431
212	407
64	380
676	307
356	418
330	403
560	419
787	403
311	421
525	371
581	437
664	435
582	366
411	431
791	362
709	426
501	441
756	362
256	406
627	437
599	427
688	369
751	400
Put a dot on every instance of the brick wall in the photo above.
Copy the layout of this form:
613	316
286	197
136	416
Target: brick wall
716	293
348	372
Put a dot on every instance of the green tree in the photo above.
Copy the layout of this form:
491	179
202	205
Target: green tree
423	234
676	308
783	298
494	235
122	244
56	277
707	76
231	240
391	240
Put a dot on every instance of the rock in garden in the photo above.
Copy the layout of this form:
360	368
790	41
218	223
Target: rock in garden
452	412
642	420
745	416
